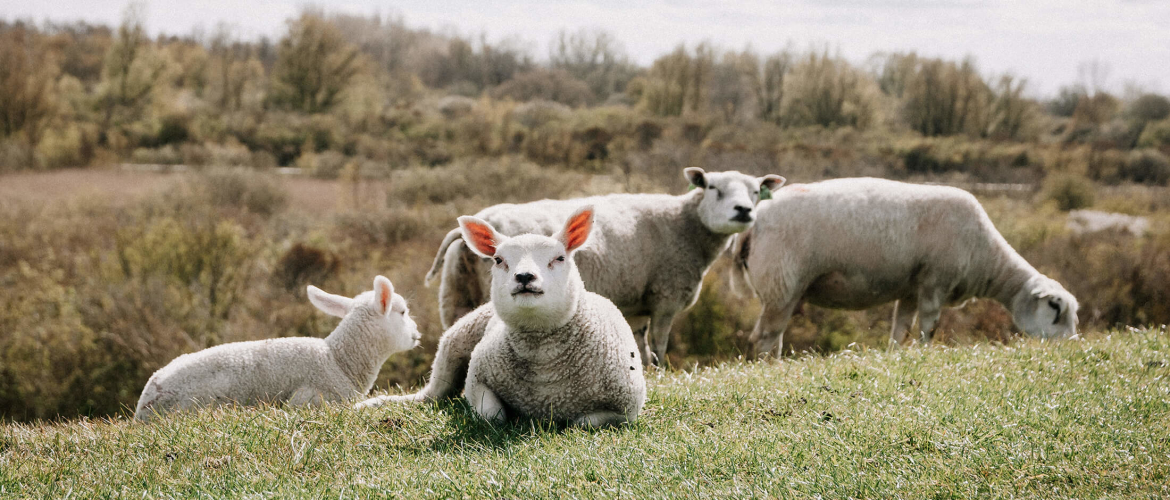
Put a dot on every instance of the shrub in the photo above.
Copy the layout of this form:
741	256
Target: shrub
537	113
455	106
549	85
241	189
1070	192
1146	166
1155	135
303	264
500	181
827	91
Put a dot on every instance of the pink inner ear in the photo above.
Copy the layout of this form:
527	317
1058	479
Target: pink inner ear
385	298
482	238
577	230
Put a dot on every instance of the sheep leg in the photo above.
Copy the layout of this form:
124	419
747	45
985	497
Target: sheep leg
768	335
485	402
929	309
657	337
640	325
599	419
903	319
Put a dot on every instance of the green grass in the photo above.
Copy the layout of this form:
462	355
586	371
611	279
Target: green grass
1084	419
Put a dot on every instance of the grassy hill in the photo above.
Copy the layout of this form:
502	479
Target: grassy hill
1084	419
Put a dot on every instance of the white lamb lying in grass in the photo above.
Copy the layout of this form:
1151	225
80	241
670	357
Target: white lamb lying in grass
859	243
300	370
544	347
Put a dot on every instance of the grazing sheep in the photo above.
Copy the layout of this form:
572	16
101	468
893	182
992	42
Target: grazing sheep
544	347
648	254
300	370
858	243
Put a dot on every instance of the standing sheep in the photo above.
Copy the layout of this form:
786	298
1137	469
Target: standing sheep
858	243
544	347
648	254
374	325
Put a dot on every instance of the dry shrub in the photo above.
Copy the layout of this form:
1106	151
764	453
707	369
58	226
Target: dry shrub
506	180
242	189
548	85
1068	191
303	264
1146	166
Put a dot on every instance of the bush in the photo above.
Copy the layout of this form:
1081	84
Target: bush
540	112
1155	135
827	91
1070	192
303	264
455	106
1146	166
497	181
549	85
240	189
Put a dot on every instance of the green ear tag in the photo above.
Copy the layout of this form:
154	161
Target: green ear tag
691	186
765	193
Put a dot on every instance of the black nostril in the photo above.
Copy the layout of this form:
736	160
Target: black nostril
743	210
525	278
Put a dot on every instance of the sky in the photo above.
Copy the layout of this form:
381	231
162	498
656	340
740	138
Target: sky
1044	41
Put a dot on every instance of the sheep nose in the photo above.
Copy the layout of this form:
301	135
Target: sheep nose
525	278
743	210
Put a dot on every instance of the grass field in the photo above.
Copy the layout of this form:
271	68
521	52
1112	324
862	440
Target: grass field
1081	419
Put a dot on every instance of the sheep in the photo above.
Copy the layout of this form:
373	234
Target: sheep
648	254
374	325
858	243
543	347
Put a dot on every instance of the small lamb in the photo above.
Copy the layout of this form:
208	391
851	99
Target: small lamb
300	370
544	347
859	243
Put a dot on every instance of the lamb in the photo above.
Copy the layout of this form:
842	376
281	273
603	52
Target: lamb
648	254
374	325
544	347
858	243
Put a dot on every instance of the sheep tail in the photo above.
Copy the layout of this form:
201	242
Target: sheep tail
437	266
739	250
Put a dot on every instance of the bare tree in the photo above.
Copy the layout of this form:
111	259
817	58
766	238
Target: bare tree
26	80
595	57
129	73
314	65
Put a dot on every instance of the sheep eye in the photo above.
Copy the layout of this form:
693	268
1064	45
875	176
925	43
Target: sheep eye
499	261
561	258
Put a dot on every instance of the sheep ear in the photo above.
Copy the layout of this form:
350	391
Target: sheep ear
383	293
772	182
333	305
480	236
577	229
696	176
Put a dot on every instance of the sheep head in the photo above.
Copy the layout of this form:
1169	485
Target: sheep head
381	310
535	283
729	198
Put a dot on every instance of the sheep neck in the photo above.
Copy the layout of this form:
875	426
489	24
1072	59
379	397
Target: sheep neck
1011	273
357	349
701	239
541	344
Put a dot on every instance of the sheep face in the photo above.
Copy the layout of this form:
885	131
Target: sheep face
729	198
380	311
535	283
1044	309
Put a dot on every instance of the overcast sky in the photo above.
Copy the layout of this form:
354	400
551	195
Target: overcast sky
1042	40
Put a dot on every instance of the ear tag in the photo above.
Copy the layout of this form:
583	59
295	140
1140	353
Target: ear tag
765	193
691	186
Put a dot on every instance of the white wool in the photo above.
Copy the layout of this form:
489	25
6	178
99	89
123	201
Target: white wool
858	243
648	253
544	347
374	325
